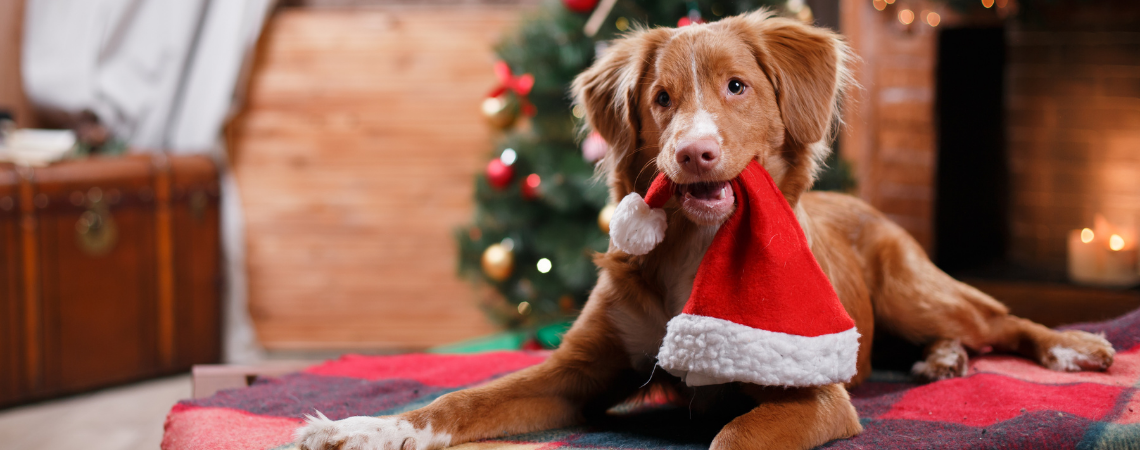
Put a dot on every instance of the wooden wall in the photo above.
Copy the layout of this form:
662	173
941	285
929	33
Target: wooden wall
354	156
889	136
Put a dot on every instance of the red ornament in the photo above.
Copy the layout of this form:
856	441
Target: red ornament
580	6
532	345
694	17
499	175
529	189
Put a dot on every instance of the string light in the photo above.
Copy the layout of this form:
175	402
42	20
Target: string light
1087	235
544	265
988	3
509	156
933	19
890	2
879	4
622	24
578	111
906	16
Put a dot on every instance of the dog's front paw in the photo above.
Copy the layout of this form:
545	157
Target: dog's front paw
1078	350
944	360
367	433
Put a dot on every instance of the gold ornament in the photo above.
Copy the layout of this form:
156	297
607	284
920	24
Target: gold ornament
605	216
498	262
501	111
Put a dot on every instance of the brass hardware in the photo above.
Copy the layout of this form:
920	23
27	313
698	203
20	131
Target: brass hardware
95	232
198	204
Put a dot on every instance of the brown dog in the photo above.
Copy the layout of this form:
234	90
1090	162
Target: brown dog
698	104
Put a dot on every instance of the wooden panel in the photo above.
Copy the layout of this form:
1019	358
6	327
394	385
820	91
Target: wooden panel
355	158
11	312
98	310
74	319
197	262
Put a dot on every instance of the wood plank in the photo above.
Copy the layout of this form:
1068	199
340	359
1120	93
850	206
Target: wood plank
355	155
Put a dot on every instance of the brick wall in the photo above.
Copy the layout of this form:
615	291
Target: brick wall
889	134
1073	112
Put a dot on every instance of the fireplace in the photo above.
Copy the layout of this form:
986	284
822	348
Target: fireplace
997	142
1039	134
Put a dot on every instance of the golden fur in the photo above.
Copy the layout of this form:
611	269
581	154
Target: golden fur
793	75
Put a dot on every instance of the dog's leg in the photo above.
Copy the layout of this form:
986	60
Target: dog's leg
920	303
796	418
589	372
945	358
1068	351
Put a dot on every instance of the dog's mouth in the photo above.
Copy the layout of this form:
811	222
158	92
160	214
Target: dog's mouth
707	203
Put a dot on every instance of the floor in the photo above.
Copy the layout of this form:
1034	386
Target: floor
122	418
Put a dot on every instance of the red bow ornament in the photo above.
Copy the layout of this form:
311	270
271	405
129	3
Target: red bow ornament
520	85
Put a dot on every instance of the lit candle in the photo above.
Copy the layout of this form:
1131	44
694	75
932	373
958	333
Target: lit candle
1103	257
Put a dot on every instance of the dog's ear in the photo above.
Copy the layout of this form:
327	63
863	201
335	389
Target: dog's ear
608	91
807	66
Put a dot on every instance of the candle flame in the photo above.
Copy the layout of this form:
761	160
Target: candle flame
1087	235
1116	243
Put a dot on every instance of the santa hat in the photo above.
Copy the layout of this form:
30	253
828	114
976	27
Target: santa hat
761	310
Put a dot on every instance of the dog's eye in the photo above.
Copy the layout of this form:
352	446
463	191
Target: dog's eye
663	99
735	87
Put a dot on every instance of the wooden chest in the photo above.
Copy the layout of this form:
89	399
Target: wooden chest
110	272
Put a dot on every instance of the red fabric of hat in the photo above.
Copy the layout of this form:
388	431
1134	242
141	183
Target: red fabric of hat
761	309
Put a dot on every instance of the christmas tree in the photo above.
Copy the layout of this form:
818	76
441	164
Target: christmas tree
541	214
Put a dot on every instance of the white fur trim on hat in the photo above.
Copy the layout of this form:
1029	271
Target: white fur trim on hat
705	350
635	228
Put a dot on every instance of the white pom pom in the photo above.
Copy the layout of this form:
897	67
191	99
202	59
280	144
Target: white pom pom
635	228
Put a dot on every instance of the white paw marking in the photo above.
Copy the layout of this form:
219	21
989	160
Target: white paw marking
941	364
1073	360
1067	359
367	433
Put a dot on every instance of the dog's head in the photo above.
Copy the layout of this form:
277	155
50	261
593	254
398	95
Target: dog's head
699	103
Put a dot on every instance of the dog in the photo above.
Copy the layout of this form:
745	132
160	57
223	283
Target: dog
698	104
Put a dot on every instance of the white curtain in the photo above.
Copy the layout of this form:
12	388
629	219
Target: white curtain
162	74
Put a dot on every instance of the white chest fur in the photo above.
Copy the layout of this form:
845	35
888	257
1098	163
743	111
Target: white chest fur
642	327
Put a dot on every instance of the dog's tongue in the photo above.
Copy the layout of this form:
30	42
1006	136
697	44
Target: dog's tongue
709	191
709	200
710	194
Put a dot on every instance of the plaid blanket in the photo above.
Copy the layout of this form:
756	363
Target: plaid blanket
1004	402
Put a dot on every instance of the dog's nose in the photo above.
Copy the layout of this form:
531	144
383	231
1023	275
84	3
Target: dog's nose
698	156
